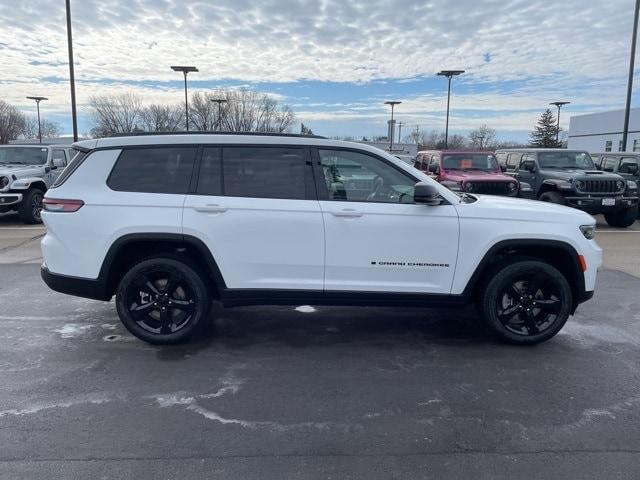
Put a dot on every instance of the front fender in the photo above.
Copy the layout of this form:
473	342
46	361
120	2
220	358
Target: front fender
26	182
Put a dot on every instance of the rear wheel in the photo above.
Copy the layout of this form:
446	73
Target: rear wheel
552	197
31	206
162	300
623	218
526	302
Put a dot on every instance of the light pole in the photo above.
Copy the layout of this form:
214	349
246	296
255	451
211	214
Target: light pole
632	60
219	101
481	138
185	70
72	76
559	105
38	100
393	103
449	74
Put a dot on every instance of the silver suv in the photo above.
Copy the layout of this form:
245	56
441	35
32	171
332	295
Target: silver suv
26	172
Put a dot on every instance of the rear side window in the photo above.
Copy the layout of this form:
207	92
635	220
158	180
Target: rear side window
153	170
70	168
264	172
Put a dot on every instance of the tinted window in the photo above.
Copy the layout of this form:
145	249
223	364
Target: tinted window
69	169
210	178
264	172
153	170
59	155
629	165
470	161
23	155
580	160
354	176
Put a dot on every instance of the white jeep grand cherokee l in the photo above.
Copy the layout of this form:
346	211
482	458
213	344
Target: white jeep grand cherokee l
167	223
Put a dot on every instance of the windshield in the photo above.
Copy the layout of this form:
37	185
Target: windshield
581	160
23	155
470	161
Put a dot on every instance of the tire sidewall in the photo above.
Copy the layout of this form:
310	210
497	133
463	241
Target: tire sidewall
623	218
506	274
194	281
25	210
552	197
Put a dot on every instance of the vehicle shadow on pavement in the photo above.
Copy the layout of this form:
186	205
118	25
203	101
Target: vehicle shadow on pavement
243	328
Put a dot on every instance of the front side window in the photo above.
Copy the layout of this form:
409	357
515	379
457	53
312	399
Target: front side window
153	170
470	161
264	172
581	160
513	160
59	155
23	155
629	165
358	177
608	164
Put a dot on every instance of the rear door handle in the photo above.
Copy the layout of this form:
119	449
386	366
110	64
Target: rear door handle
347	212
210	208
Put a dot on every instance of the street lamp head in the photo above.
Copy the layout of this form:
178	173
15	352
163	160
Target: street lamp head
218	100
559	104
450	73
37	99
392	102
183	69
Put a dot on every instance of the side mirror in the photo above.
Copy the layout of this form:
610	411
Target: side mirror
58	162
426	194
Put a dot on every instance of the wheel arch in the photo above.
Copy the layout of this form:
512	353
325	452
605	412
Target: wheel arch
561	255
134	247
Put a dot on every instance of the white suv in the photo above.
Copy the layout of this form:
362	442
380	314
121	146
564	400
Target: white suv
167	223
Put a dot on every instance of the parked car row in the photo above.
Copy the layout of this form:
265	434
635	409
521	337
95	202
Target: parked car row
26	172
565	177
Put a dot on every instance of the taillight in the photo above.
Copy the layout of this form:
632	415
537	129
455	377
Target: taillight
60	205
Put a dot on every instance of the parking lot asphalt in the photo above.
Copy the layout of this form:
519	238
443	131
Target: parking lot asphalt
278	392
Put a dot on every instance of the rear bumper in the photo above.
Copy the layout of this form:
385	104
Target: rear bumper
79	287
10	199
594	204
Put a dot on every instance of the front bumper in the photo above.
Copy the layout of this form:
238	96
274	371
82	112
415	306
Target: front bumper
599	204
10	199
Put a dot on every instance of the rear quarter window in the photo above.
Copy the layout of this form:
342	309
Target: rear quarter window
72	166
153	170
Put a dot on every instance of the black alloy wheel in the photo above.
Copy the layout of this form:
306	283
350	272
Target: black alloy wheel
161	300
527	301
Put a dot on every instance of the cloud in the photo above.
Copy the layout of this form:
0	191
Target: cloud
518	54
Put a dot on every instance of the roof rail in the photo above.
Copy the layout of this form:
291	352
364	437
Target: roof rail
191	132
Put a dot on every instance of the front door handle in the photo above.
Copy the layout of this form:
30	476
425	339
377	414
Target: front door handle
347	212
210	208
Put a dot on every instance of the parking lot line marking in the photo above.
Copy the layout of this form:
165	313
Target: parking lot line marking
22	228
617	231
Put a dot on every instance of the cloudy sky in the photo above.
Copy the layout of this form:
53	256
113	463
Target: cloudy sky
334	61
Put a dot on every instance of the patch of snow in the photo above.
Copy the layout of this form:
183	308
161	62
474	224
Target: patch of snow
305	309
72	330
48	406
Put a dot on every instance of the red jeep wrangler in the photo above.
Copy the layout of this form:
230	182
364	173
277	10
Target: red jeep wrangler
471	172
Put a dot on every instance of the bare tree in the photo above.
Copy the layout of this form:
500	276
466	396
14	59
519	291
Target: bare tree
48	129
162	118
12	122
250	111
115	113
483	137
202	114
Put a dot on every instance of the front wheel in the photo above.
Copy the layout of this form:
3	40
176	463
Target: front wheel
623	218
162	300
31	206
526	302
552	197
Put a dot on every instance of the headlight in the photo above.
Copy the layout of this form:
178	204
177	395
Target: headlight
588	231
579	184
513	186
631	185
4	181
468	187
620	184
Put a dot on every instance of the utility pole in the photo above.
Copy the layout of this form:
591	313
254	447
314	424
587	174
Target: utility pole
72	76
185	70
627	109
559	105
392	128
38	100
449	74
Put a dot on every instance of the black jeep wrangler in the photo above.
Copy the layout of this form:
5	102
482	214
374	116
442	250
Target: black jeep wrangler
569	177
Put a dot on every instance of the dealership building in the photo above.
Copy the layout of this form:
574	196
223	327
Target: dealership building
602	132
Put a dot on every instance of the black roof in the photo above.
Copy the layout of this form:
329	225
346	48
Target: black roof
191	132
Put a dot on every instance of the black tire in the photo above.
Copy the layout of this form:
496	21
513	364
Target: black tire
623	218
512	304
162	300
552	197
31	206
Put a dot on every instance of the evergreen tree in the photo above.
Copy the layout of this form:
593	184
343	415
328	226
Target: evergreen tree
544	133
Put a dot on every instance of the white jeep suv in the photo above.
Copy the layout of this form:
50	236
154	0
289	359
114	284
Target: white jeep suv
167	223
